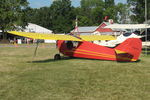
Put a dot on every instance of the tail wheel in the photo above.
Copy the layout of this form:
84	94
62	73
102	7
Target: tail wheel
57	57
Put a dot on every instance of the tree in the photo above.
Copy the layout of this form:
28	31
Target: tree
109	3
96	10
59	17
62	15
110	9
41	16
92	10
138	10
123	11
12	13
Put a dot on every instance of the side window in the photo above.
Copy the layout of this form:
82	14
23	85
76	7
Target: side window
69	44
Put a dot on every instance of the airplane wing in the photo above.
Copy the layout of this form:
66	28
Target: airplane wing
128	26
44	36
62	37
97	37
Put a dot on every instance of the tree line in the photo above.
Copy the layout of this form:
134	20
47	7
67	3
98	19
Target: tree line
60	15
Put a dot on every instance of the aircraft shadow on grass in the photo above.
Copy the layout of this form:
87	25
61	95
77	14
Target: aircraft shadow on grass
62	59
50	60
71	58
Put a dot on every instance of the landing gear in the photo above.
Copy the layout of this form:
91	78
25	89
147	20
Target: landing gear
57	57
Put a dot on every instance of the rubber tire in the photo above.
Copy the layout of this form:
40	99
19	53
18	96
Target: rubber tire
57	57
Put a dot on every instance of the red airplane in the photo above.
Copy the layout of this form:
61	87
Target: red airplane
129	50
78	46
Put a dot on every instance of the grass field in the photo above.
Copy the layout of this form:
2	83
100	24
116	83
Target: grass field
23	77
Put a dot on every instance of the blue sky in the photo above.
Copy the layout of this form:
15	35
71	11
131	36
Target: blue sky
42	3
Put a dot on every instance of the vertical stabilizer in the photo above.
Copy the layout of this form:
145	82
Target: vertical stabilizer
129	50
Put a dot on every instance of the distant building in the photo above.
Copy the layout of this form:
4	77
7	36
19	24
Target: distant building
87	30
103	31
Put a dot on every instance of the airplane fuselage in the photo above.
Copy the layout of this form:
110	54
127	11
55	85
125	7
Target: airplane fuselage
129	50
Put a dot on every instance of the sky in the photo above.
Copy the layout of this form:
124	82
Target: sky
42	3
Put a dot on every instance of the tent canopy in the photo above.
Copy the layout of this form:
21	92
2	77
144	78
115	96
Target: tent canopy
37	29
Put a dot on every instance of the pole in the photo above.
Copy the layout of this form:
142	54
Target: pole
146	25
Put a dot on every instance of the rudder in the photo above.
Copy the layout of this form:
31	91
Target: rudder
129	50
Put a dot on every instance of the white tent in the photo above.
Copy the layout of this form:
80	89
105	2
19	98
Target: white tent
38	29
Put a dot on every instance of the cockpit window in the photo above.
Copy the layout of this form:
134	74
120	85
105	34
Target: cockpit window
72	44
69	44
127	34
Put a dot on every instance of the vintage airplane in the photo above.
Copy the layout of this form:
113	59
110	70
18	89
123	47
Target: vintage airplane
79	46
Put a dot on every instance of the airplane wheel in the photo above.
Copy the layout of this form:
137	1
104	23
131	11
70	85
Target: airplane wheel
57	57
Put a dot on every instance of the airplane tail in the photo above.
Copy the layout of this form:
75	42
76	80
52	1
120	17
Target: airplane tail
129	50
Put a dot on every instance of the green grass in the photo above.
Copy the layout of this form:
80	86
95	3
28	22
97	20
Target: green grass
23	77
